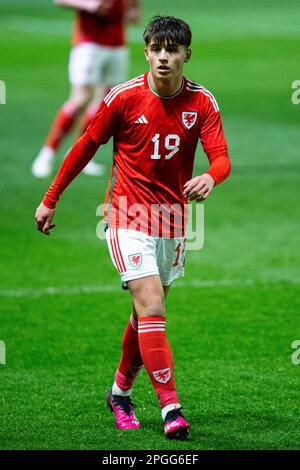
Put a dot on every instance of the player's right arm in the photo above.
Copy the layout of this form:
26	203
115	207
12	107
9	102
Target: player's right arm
43	219
77	158
103	126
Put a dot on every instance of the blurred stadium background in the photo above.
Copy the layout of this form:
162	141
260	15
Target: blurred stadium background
231	321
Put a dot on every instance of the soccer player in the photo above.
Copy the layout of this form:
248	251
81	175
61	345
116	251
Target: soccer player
155	120
98	61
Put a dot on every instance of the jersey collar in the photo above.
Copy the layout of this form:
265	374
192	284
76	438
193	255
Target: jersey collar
148	84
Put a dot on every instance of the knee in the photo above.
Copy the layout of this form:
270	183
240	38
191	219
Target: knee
79	102
151	307
148	297
72	107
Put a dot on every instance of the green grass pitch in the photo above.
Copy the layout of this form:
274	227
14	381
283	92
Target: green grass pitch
231	322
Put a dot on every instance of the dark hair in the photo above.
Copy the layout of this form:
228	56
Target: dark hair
168	29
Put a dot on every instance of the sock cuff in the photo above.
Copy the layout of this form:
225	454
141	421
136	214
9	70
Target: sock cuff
151	324
152	318
116	390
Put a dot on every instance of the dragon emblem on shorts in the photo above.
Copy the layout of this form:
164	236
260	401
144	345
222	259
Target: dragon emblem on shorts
136	260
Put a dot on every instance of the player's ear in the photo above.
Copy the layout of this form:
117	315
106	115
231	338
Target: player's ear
188	54
146	54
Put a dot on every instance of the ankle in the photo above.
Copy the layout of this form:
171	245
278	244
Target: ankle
166	409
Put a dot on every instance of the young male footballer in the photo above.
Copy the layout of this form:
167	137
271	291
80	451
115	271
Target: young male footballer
98	61
155	120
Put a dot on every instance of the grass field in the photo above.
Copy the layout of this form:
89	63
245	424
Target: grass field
233	318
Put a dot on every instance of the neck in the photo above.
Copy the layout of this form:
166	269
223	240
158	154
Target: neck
166	87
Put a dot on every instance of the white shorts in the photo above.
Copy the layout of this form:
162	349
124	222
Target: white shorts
91	64
136	255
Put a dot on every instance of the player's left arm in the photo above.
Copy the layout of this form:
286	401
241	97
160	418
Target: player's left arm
214	144
132	11
199	187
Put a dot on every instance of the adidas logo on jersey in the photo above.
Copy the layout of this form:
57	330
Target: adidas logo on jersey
141	120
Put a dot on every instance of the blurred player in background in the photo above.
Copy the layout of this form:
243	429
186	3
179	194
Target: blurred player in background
98	61
156	121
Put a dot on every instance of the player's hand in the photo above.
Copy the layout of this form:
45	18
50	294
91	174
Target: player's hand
199	188
98	7
133	15
43	219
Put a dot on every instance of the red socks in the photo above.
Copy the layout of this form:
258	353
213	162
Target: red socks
131	361
62	124
145	342
157	357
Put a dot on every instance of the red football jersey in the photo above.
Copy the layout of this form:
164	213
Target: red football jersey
155	140
108	30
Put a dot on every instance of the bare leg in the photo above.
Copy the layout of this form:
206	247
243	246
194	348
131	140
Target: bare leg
93	168
61	126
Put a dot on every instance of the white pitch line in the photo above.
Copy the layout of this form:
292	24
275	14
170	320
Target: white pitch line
197	284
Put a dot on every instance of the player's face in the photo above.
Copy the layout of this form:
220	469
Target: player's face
166	60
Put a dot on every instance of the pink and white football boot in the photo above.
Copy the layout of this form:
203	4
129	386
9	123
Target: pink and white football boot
175	426
122	407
